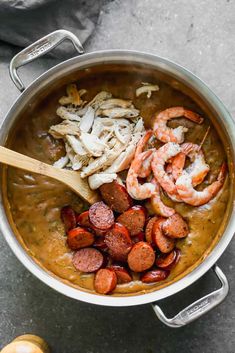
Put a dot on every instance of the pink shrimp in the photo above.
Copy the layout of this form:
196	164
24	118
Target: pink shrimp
136	190
158	206
198	169
167	134
197	198
145	169
160	157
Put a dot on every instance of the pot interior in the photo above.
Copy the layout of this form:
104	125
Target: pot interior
33	202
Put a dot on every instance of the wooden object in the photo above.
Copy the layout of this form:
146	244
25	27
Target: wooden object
27	344
70	178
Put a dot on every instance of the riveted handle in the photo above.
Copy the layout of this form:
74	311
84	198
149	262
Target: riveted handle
39	48
198	308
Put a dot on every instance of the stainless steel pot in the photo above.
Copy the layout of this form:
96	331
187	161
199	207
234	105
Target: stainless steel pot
222	119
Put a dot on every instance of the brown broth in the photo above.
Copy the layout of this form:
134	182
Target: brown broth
35	201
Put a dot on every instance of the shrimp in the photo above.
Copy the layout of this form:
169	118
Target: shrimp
158	206
143	142
167	134
160	157
198	169
136	190
145	169
197	198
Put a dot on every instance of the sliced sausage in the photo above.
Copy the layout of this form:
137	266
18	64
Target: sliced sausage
141	257
168	261
163	243
79	238
101	216
68	217
175	227
138	237
133	219
83	220
88	260
116	196
123	276
99	232
100	244
155	276
105	281
149	229
118	241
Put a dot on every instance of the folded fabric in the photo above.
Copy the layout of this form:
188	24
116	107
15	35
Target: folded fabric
24	21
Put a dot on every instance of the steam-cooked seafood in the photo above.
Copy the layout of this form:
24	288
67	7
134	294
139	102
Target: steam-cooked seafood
167	134
160	157
198	169
135	189
157	204
73	96
145	169
100	137
193	197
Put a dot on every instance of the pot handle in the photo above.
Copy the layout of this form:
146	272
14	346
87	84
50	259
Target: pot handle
39	48
199	307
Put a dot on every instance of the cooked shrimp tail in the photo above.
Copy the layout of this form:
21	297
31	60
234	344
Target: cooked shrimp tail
167	134
157	204
160	157
145	169
197	198
136	190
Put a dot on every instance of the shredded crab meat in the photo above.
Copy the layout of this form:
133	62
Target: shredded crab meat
87	120
76	145
92	144
67	127
62	162
64	114
98	179
100	136
116	103
73	96
146	88
120	112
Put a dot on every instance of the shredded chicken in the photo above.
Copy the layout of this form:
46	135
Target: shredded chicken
100	136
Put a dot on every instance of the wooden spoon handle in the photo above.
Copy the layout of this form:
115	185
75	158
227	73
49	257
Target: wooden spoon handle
21	161
70	178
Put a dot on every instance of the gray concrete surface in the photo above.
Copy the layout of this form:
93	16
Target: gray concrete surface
201	36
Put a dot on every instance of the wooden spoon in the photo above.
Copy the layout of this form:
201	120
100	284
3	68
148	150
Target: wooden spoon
69	178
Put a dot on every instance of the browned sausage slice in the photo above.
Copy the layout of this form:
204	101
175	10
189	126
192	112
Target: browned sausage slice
116	196
163	243
101	216
167	261
100	244
105	281
133	219
68	217
155	276
83	219
79	238
138	237
118	241
175	227
88	260
122	274
149	229
141	257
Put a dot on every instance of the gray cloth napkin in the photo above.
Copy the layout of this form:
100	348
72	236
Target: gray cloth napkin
24	21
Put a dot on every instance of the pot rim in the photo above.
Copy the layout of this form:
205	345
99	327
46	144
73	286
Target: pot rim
121	56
